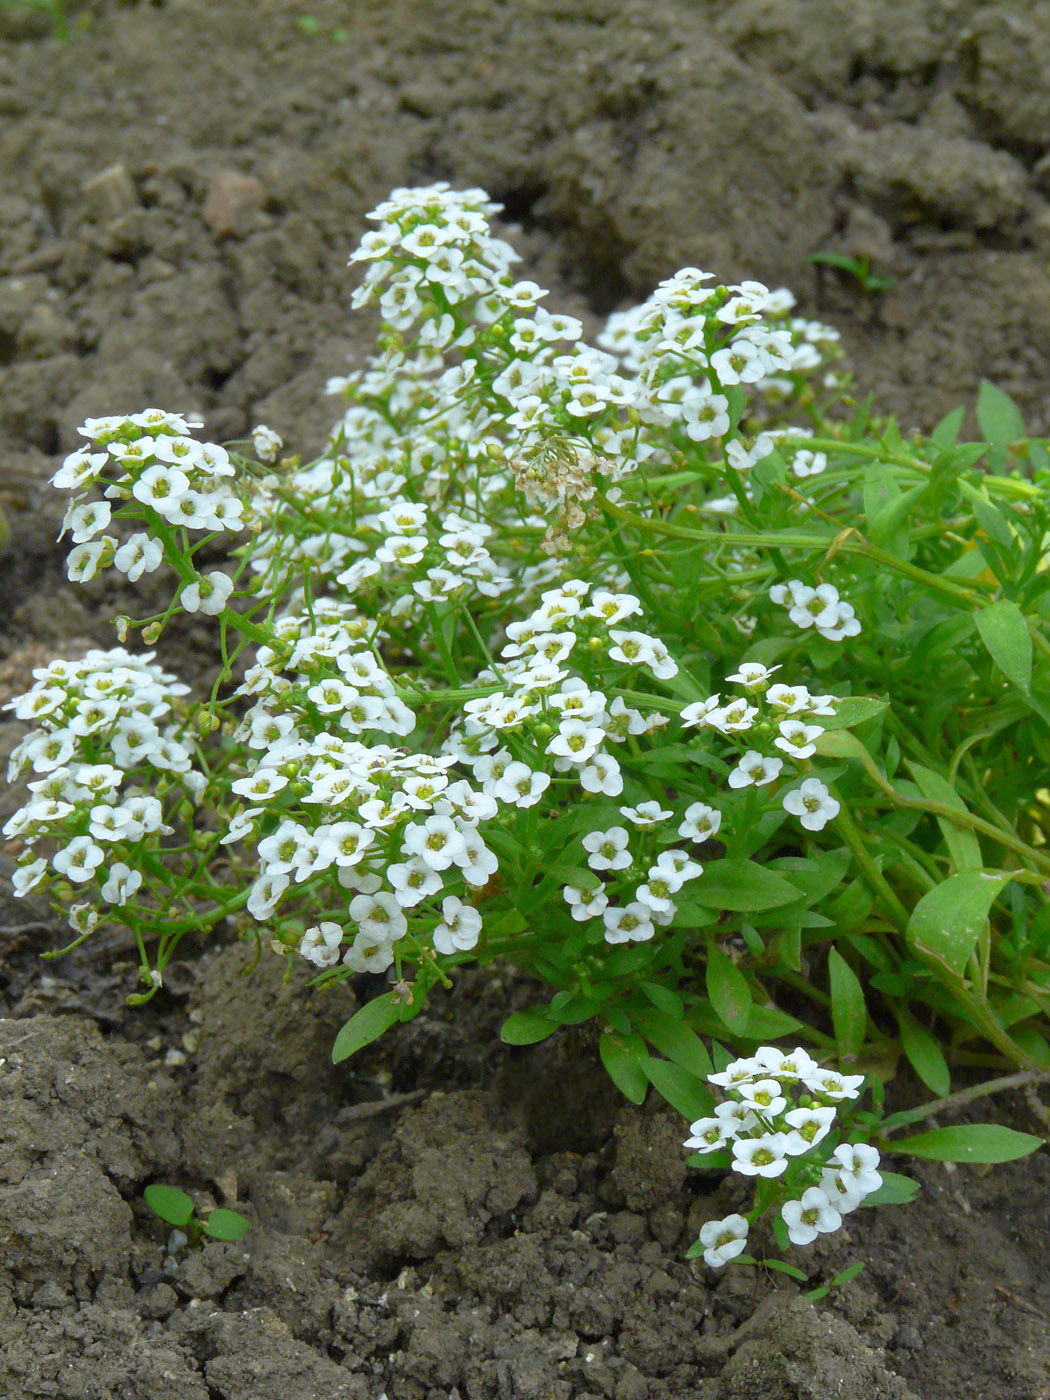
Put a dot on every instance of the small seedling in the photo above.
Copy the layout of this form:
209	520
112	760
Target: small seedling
176	1208
860	268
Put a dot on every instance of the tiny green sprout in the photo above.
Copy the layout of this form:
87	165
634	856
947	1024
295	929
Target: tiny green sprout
308	25
176	1208
860	268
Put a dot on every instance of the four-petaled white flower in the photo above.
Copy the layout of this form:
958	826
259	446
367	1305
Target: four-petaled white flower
723	1240
812	803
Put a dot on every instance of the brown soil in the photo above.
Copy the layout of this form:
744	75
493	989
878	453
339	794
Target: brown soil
180	186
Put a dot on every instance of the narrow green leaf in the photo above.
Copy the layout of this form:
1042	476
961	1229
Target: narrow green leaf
1005	634
848	1012
969	1142
742	885
686	1094
170	1204
780	1267
946	432
623	1057
364	1026
947	921
527	1027
1001	421
730	995
963	846
226	1225
674	1039
924	1054
896	1190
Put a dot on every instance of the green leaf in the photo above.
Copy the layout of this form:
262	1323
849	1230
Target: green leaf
685	1093
570	1008
730	995
851	710
364	1026
674	1039
896	1190
947	921
170	1204
1001	421
226	1225
848	1012
946	432
623	1057
780	1267
670	1003
924	1054
963	846
769	1023
1005	634
527	1027
742	885
969	1142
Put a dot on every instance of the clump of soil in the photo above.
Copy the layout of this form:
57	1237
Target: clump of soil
180	186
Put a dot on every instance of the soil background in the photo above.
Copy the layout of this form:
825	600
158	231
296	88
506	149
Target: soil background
445	1219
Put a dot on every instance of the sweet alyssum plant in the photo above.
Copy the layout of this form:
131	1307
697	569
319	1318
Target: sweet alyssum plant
647	666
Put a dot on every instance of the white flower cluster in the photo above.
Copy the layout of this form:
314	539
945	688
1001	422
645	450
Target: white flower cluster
819	607
779	1108
105	735
779	718
146	466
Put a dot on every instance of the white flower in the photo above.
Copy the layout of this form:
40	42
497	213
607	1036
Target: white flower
459	927
734	718
379	916
208	594
753	675
162	487
832	1085
321	943
27	877
79	860
438	841
813	1215
585	904
812	804
760	1156
602	774
575	740
607	850
676	867
639	649
755	769
477	863
122	884
646	814
700	822
785	1064
723	1240
633	923
520	785
764	1096
806	463
797	738
413	881
857	1164
710	1134
366	954
137	556
266	443
809	1126
612	608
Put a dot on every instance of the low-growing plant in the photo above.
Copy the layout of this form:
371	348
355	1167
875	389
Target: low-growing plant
175	1208
655	668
